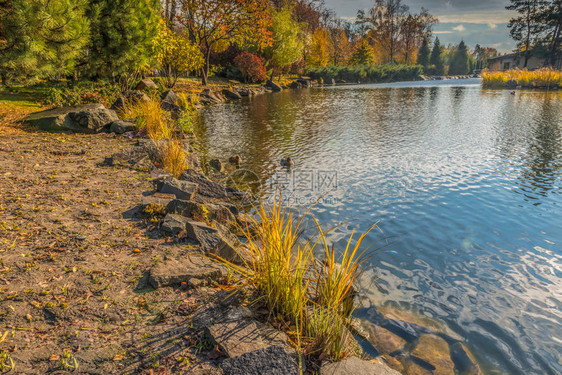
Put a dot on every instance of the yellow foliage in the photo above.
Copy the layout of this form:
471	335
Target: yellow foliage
150	116
174	157
321	49
545	77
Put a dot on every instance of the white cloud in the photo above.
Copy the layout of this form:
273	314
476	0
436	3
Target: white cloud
443	32
492	26
459	28
492	16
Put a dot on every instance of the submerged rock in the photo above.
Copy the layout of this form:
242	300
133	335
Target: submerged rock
435	351
355	366
464	360
86	118
273	86
383	340
231	94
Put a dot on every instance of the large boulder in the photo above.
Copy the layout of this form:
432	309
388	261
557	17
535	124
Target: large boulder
354	366
184	190
210	191
86	118
273	86
147	84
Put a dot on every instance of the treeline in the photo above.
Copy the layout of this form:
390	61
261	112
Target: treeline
251	40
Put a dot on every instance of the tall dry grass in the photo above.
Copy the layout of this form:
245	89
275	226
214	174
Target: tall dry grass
545	77
302	280
163	130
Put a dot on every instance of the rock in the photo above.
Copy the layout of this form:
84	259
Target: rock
146	84
129	97
209	191
354	366
246	92
383	340
86	118
122	126
186	208
305	82
213	241
273	86
182	189
216	164
173	108
208	96
273	360
192	270
295	85
239	337
169	97
223	214
238	313
435	351
236	160
231	94
174	224
160	199
464	361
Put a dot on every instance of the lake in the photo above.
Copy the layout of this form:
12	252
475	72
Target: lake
464	182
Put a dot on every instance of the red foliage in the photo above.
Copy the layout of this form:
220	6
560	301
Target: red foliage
251	66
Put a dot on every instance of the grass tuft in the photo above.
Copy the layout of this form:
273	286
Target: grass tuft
314	297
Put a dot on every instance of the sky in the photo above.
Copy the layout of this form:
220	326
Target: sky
481	22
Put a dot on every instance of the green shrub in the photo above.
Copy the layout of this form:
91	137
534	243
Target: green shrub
366	73
81	93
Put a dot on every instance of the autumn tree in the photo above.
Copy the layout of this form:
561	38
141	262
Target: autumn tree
175	55
122	34
288	39
415	29
392	27
215	24
321	48
436	59
363	53
424	54
41	38
525	28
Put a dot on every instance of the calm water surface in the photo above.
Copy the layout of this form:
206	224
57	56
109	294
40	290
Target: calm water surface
464	182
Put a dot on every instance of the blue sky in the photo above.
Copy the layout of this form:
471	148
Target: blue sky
474	21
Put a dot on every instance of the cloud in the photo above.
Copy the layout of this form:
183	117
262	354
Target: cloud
459	28
492	26
443	32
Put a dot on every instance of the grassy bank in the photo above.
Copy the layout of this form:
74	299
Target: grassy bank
541	78
366	73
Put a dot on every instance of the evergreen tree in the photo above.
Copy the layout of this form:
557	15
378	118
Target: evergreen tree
122	32
363	53
41	38
424	55
527	27
436	59
460	63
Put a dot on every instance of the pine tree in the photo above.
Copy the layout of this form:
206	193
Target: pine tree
363	53
424	55
460	64
122	32
41	38
436	59
527	27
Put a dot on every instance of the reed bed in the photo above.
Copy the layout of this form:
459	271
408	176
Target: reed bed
302	281
541	78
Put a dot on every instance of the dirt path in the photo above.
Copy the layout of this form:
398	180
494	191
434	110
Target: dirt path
72	251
